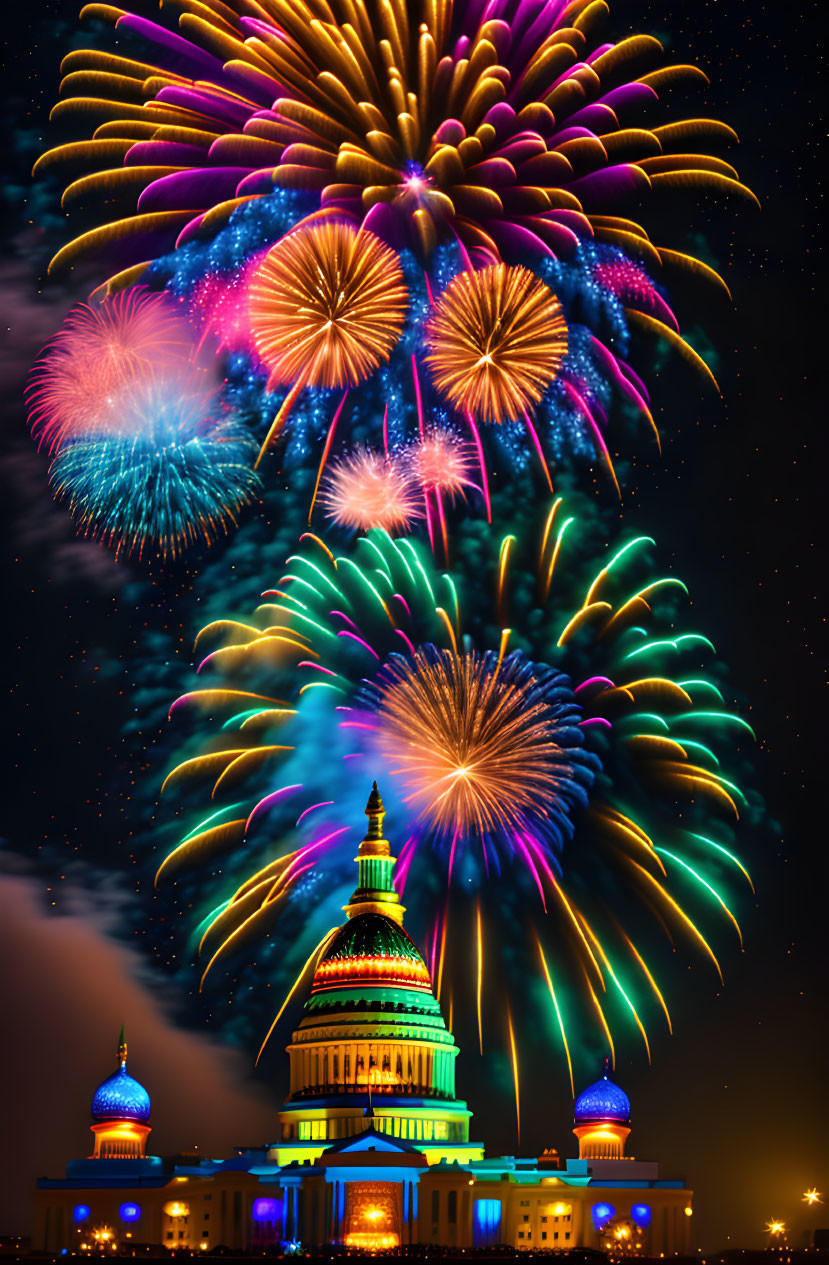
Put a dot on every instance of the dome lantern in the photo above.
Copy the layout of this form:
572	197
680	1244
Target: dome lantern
120	1112
602	1119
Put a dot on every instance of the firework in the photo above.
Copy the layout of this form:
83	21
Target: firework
367	490
630	283
99	353
176	476
498	125
221	306
327	306
496	342
594	390
554	750
474	740
440	462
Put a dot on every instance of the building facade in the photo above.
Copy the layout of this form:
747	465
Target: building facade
373	1148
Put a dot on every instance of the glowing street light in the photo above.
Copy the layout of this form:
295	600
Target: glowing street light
812	1197
775	1227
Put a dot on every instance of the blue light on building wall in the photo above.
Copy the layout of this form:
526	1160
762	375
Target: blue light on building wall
267	1210
641	1214
80	1213
486	1222
129	1212
601	1214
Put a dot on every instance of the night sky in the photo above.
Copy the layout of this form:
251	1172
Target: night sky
736	1102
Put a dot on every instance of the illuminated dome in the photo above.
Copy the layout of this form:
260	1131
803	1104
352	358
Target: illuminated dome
120	1097
371	935
603	1101
371	949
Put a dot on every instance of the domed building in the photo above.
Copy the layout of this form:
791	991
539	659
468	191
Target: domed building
372	1033
373	1148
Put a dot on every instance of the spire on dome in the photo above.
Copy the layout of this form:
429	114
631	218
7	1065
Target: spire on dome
122	1048
375	892
375	811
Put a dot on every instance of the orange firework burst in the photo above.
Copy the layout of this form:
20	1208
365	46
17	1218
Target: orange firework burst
473	743
496	341
327	306
440	462
368	490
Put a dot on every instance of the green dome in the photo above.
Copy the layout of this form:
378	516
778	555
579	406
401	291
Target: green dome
371	936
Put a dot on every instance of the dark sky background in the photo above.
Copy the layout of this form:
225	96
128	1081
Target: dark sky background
736	1102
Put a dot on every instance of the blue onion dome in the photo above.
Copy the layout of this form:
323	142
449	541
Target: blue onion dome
603	1100
120	1097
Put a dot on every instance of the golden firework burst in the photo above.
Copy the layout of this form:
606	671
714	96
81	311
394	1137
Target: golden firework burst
496	341
327	306
473	746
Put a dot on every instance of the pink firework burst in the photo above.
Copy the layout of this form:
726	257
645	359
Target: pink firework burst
440	461
632	285
78	383
221	305
368	490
